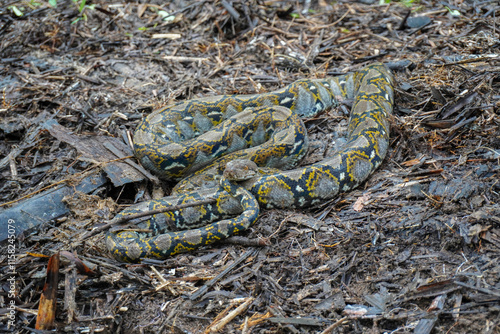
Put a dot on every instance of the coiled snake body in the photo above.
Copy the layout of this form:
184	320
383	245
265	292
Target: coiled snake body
197	138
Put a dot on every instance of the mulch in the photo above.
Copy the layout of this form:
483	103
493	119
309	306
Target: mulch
414	249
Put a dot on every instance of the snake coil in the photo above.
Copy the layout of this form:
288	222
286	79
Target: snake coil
194	140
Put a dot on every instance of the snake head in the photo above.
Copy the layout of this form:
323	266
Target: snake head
240	170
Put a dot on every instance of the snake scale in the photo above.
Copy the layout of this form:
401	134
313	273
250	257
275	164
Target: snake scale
193	140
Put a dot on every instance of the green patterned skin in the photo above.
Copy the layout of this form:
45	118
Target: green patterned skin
194	140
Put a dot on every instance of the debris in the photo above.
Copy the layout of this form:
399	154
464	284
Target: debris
41	208
48	300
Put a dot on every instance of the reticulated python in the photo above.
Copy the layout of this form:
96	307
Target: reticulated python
197	138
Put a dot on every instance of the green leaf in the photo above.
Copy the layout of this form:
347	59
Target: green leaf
163	13
16	10
142	29
295	15
166	16
53	3
453	12
407	3
34	4
82	5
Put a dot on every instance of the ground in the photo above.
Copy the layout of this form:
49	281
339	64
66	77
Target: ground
414	249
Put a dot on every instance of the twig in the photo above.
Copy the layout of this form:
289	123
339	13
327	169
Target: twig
129	161
230	9
483	290
166	209
201	291
233	314
330	328
144	214
183	59
243	241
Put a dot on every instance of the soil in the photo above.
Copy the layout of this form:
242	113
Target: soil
414	249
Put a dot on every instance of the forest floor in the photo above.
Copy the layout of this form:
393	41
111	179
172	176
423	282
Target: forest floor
414	249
